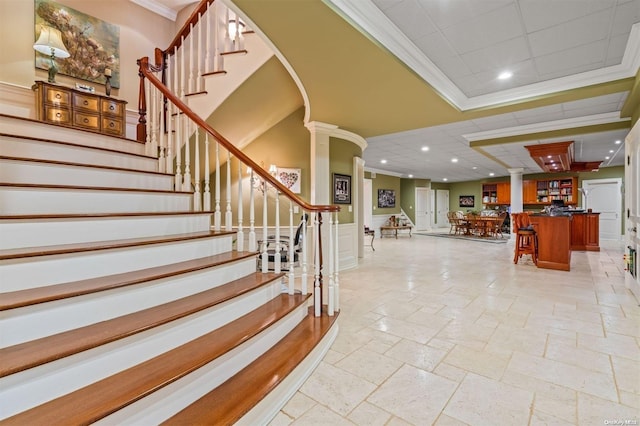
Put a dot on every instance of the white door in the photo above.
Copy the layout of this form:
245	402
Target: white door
604	196
367	202
442	207
423	221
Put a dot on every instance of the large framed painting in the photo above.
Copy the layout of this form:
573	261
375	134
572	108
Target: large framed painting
386	198
94	45
341	189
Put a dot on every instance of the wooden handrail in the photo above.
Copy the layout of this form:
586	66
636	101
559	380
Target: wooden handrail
145	71
186	28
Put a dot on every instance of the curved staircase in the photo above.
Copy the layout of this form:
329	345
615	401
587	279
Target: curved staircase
121	305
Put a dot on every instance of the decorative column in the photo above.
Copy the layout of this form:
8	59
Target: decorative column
516	192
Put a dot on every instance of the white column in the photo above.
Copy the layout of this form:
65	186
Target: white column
320	175
516	192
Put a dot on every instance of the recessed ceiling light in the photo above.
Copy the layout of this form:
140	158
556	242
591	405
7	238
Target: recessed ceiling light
475	168
445	179
454	160
383	161
505	75
611	151
425	148
492	174
548	156
410	176
607	157
618	142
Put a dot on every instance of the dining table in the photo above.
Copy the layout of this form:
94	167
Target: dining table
479	225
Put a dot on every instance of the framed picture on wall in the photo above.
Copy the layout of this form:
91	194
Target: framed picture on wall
290	178
467	201
386	198
341	189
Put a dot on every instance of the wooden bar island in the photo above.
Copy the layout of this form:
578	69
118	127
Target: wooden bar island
559	235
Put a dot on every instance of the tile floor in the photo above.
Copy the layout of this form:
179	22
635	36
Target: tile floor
451	332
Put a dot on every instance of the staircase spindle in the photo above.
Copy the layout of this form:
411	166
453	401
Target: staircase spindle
207	189
240	239
197	206
186	182
291	253
252	215
336	267
199	55
162	134
317	279
228	215
152	148
217	216
190	83
304	274
330	293
182	75
169	118
277	258
207	50
263	249
218	58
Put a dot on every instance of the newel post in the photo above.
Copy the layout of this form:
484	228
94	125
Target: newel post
141	127
318	287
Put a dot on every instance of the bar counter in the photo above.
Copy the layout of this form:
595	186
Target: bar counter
559	235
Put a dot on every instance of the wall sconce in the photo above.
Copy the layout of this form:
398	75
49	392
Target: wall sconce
256	181
236	26
50	43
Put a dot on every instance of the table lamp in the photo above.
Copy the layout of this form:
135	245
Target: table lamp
50	43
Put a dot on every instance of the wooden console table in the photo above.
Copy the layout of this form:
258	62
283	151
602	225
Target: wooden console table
64	105
393	230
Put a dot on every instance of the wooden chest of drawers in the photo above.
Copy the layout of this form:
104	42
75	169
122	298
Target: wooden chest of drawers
64	105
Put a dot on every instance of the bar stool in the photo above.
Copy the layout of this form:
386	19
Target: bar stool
526	238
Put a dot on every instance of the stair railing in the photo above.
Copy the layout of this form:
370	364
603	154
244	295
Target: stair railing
188	136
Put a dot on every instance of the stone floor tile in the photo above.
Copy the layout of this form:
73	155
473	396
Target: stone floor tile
598	411
479	362
418	355
367	414
370	366
298	405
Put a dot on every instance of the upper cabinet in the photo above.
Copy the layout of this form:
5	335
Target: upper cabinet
533	191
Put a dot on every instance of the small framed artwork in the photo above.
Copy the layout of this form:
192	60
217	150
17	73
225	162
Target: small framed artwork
467	200
386	198
290	178
341	189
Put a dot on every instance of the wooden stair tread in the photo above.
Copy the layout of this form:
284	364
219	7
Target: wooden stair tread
84	165
90	188
40	351
21	298
95	401
104	245
99	215
258	379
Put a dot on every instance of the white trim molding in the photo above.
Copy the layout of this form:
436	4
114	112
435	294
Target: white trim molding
17	100
157	8
365	15
335	132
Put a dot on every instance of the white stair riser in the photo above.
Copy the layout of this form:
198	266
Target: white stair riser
26	201
48	270
38	233
171	399
33	322
29	388
35	129
40	150
30	172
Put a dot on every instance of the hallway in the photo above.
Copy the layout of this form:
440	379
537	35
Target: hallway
451	332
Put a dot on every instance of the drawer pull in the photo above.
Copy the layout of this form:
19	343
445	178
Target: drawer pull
86	102
111	124
86	120
58	96
58	115
112	108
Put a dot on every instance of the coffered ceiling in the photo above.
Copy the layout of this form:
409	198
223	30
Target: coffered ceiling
408	74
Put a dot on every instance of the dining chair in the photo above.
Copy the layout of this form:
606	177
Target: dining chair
526	238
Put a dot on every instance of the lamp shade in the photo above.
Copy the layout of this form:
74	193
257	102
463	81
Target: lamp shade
50	43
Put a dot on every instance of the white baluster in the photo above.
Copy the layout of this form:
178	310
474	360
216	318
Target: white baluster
252	230
197	204
207	54
207	189
240	236
277	258
186	183
263	249
317	296
217	216
182	74
228	214
218	58
169	156
154	122
147	142
162	134
336	269
178	119
199	55
330	265
191	84
304	275
292	238
227	37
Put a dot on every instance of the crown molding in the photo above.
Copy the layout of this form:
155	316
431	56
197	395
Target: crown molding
157	8
589	120
383	172
366	15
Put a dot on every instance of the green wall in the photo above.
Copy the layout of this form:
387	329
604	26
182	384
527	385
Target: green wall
341	153
384	182
408	195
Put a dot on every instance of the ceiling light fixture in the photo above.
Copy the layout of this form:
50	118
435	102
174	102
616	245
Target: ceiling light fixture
505	75
492	174
607	157
454	160
611	151
383	161
475	167
445	179
425	148
618	142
